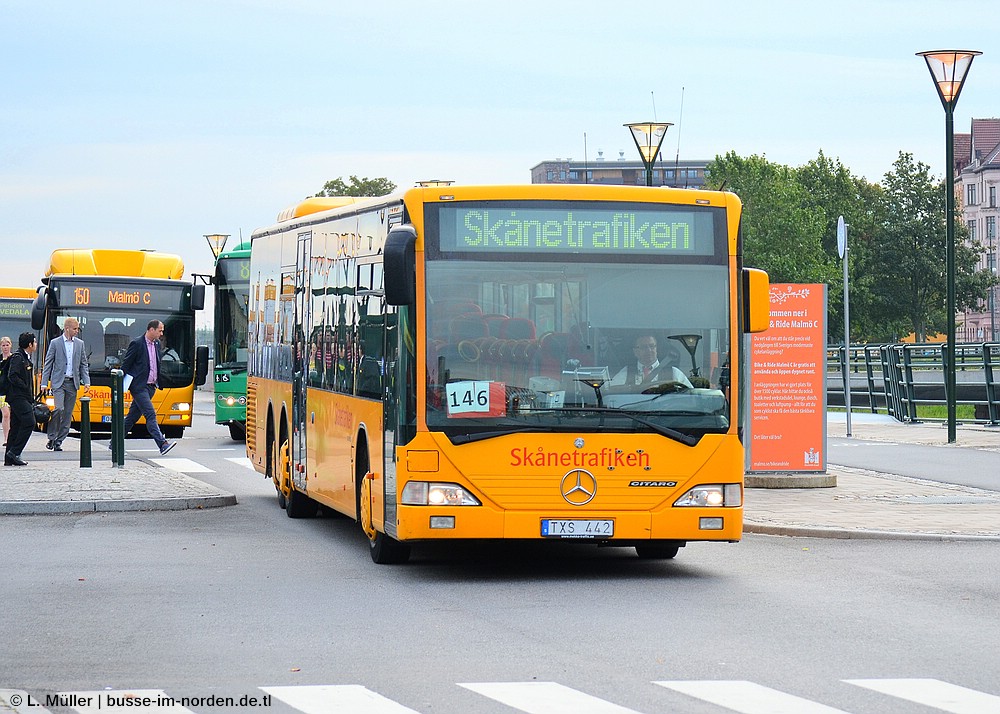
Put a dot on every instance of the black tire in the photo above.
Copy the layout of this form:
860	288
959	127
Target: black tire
299	505
388	551
282	502
384	549
173	432
237	431
657	551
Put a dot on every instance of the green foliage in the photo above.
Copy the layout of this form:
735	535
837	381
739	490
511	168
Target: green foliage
781	232
910	256
358	187
896	240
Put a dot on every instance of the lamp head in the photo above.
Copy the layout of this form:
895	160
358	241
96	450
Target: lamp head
648	136
948	69
217	241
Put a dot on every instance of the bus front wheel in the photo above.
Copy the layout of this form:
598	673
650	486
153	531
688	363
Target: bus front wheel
384	549
664	550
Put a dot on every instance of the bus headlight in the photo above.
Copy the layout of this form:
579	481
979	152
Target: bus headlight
180	407
712	496
428	493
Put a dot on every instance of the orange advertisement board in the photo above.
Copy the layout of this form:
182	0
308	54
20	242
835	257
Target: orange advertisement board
787	394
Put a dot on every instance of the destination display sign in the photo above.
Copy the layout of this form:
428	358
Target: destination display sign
624	229
234	270
109	294
15	308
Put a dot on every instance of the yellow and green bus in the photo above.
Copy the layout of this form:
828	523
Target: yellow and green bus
15	312
231	284
115	294
459	362
15	316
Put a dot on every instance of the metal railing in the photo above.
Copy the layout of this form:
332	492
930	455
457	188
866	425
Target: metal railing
897	378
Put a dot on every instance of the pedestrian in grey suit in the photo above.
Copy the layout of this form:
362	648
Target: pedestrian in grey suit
65	370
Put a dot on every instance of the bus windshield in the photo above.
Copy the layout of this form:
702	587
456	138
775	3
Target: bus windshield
107	335
550	343
553	336
232	297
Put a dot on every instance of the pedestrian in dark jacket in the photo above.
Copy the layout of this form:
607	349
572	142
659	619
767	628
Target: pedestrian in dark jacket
20	397
142	363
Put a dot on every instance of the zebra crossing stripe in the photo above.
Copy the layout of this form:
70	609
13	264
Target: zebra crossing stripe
125	700
933	693
241	461
545	698
324	698
185	466
748	697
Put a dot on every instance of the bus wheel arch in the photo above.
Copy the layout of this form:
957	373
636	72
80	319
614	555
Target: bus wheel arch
297	504
270	456
384	549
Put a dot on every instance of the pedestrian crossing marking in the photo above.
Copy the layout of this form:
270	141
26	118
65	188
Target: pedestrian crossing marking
530	697
184	466
748	697
933	693
106	700
241	461
323	698
545	698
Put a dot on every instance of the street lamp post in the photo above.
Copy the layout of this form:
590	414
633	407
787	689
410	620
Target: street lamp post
948	69
217	241
648	136
991	264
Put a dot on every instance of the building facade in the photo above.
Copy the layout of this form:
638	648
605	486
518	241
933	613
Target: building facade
977	164
621	172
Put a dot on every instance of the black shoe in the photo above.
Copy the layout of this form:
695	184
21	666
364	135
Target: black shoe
56	447
11	460
48	445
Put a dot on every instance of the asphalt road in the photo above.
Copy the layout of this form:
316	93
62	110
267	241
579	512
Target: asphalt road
233	601
967	467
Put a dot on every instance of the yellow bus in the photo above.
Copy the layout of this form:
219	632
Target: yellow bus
114	294
15	316
459	362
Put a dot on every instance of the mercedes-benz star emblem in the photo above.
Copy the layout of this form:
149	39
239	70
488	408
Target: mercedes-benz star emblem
578	487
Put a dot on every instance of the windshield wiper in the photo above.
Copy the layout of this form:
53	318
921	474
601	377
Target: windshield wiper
459	439
666	431
661	430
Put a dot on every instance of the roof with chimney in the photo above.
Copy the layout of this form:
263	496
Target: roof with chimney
980	148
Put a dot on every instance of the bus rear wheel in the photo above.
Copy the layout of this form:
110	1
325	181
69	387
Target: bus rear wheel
654	550
299	505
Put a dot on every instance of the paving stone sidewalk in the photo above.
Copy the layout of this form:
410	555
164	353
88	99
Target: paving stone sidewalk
868	504
56	483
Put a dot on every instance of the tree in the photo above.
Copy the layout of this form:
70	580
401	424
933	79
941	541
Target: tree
358	187
782	233
910	259
832	189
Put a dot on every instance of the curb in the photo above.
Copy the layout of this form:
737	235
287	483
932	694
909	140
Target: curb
860	534
37	508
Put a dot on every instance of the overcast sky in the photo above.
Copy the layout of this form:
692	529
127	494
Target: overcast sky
150	124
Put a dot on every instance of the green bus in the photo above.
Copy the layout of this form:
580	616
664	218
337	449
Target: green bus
232	296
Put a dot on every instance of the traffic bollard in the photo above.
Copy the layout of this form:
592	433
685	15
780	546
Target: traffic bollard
85	454
117	419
